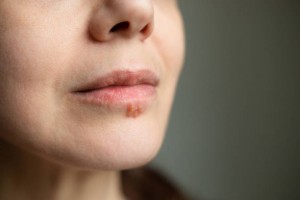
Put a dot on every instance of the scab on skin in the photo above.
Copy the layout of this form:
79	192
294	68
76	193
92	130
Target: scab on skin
134	110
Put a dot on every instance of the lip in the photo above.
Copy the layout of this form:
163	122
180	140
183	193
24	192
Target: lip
133	90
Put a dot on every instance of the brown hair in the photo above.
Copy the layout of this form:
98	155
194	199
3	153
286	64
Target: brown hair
148	184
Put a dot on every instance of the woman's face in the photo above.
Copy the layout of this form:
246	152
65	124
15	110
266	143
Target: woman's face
88	83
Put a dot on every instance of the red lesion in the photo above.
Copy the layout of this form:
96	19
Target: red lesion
134	110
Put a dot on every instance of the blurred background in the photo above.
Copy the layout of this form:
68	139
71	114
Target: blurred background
234	132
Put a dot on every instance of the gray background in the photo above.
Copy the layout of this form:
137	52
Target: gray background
234	133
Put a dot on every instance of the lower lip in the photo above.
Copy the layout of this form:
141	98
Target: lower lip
118	96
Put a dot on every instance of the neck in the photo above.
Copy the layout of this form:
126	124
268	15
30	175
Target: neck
24	176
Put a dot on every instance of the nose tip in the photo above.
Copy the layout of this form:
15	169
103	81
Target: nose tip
120	18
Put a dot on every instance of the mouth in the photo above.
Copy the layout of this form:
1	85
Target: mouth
133	90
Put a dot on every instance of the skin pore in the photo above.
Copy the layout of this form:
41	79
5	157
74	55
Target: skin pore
53	146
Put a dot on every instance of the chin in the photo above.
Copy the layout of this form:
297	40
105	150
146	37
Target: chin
117	145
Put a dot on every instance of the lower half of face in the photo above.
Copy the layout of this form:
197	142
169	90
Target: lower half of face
87	105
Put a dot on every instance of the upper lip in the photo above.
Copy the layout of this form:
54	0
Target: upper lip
120	78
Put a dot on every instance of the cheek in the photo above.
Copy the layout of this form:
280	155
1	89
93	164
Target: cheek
30	67
169	40
27	75
33	57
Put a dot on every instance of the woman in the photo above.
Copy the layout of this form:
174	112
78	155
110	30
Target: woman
86	90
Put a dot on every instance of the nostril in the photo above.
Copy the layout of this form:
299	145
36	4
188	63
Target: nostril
120	26
146	29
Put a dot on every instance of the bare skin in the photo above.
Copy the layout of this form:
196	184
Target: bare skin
55	147
27	177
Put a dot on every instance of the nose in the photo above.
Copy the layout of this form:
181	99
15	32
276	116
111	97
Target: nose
122	18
